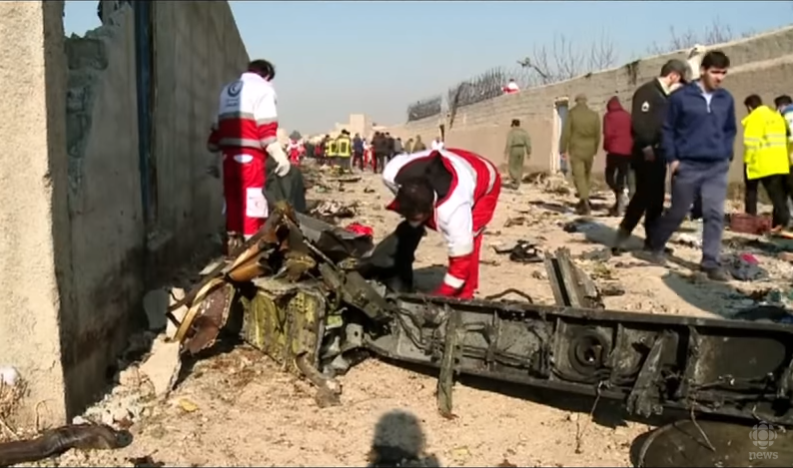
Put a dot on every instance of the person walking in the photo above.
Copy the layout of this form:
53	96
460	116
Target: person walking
517	149
697	138
581	139
618	145
647	116
766	155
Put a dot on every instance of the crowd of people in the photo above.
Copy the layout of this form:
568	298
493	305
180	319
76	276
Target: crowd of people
678	126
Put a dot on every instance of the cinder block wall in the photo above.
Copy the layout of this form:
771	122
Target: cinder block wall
760	65
106	230
198	50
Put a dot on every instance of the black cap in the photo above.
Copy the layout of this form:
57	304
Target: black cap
678	66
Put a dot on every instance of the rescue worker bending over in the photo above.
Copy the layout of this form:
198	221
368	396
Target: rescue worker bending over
344	150
452	191
245	132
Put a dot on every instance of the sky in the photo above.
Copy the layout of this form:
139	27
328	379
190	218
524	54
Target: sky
337	58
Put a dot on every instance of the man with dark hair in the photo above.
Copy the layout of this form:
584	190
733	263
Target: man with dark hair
698	135
766	155
380	151
517	149
453	191
245	131
647	115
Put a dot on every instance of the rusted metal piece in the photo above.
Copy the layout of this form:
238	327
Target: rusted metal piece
571	286
62	439
448	365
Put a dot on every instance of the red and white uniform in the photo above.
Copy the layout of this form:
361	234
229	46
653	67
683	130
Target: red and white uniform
246	124
294	149
511	88
461	216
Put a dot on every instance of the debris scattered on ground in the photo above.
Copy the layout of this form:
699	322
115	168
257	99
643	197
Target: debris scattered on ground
579	225
516	221
689	240
331	211
599	255
522	252
57	441
744	267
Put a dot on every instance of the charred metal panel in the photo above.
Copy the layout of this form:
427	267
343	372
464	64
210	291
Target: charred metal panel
732	368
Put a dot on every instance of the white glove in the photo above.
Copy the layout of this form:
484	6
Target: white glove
277	153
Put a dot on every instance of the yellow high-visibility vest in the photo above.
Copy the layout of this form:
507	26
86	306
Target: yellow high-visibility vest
330	148
765	144
343	147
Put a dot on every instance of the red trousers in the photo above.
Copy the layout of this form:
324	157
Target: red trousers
482	214
243	189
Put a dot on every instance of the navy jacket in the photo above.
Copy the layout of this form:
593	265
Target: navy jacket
694	132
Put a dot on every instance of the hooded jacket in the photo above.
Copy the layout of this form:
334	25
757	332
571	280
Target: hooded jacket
617	137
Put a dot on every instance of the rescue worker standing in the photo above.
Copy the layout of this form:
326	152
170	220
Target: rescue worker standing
697	137
331	151
418	145
452	191
344	150
380	151
647	116
618	145
245	132
517	149
358	147
579	144
766	155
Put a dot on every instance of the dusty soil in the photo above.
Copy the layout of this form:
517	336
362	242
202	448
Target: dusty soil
238	409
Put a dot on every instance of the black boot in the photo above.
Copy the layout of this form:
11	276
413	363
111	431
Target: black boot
618	247
583	208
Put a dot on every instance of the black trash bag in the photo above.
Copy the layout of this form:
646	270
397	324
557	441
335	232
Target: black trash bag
291	187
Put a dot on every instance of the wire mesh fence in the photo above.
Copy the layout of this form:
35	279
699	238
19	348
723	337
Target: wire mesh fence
425	108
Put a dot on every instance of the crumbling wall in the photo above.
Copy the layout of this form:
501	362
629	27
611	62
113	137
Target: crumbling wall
35	265
198	49
482	127
107	229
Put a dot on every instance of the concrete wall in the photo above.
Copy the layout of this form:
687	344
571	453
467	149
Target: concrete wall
761	65
198	50
35	265
74	258
107	230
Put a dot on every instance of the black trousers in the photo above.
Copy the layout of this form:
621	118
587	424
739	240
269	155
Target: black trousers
648	200
391	262
617	168
776	188
750	194
357	160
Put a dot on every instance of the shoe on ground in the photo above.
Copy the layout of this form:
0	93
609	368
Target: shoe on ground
654	257
716	274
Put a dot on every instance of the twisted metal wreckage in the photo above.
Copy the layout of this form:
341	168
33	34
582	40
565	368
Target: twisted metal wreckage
294	293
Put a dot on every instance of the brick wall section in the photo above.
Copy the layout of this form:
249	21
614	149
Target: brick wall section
761	65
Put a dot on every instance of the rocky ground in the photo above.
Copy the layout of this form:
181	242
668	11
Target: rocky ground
238	409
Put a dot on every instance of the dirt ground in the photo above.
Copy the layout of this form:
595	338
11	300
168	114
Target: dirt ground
238	409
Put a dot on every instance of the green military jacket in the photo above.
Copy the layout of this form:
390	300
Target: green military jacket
581	133
518	142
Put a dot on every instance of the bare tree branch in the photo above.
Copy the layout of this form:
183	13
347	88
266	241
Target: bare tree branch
563	60
715	33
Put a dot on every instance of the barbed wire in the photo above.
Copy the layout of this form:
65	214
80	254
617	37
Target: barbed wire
425	108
